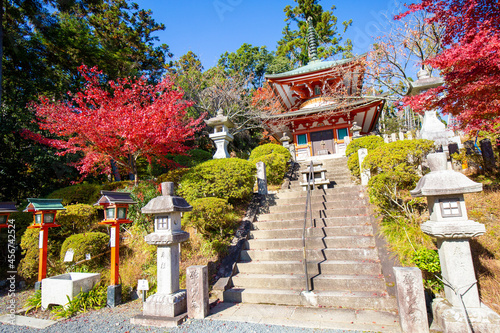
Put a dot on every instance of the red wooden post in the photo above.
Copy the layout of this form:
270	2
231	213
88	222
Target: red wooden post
42	245
115	254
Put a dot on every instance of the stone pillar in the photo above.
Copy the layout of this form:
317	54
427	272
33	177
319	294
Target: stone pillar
401	136
488	155
386	138
364	173
347	140
411	300
197	292
261	178
410	136
393	137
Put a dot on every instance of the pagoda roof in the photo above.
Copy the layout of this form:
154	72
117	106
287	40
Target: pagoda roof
115	197
7	207
35	205
311	67
359	103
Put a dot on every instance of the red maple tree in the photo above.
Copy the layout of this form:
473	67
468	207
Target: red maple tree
117	121
469	63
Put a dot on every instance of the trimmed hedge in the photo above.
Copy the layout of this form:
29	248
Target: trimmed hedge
93	243
77	194
228	178
369	142
275	157
193	157
211	217
76	219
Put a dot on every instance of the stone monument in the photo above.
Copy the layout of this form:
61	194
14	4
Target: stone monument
166	308
220	136
197	291
448	222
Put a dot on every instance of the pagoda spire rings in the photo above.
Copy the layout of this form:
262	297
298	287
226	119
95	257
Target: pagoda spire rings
312	40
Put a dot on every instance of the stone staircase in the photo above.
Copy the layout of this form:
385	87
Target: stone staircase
342	258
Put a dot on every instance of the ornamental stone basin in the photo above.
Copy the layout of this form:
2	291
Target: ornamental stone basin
56	288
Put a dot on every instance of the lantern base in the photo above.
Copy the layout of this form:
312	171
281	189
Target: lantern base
114	296
166	305
451	319
158	321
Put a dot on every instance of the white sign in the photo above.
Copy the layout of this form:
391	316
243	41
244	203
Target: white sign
68	257
88	256
112	237
40	240
142	285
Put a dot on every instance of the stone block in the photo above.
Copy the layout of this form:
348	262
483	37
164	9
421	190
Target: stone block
158	321
56	288
261	178
450	319
365	173
197	291
114	296
411	300
165	305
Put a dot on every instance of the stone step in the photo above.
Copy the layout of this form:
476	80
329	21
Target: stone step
298	222
367	253
332	212
347	196
329	191
356	230
318	283
311	243
315	206
361	267
350	300
334	177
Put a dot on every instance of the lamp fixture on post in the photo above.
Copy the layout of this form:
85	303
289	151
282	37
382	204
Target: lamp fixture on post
115	206
44	217
5	209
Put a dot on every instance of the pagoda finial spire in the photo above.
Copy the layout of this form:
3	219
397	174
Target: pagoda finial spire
312	40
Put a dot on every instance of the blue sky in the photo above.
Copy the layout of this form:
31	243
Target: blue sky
211	27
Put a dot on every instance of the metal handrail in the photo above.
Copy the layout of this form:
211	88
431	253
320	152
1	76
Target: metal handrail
308	203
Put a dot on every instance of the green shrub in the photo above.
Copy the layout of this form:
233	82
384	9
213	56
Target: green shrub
211	217
93	243
428	261
267	149
229	178
143	193
193	157
116	186
80	193
28	266
275	157
76	219
369	142
174	176
93	299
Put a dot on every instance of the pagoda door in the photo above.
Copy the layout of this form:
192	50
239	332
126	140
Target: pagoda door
322	142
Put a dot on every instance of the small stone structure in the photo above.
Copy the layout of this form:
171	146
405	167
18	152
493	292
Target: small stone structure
261	178
197	291
449	223
365	173
166	308
319	175
411	300
57	289
220	136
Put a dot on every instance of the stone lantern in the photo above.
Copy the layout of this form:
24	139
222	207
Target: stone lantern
448	222
168	306
220	136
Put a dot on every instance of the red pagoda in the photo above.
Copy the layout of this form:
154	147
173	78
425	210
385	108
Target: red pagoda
321	102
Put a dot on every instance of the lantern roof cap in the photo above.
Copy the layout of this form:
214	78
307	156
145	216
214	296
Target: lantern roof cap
167	202
8	207
115	197
425	81
219	119
441	182
35	204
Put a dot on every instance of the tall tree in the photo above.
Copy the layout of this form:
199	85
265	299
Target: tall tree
120	120
293	44
469	63
44	43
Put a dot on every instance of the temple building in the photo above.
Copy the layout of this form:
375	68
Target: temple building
321	102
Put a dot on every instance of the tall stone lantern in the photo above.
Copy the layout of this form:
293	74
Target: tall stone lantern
168	307
448	222
220	136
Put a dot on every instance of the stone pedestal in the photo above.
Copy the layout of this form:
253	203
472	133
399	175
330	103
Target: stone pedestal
365	173
197	292
433	129
114	295
261	178
411	300
221	141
